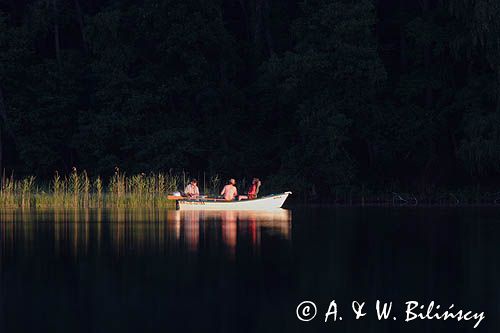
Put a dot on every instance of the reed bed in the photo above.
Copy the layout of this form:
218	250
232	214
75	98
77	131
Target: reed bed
78	190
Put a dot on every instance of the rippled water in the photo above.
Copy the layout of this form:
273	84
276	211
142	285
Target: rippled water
162	270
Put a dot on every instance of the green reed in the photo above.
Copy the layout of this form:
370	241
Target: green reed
78	189
215	185
17	192
98	194
7	193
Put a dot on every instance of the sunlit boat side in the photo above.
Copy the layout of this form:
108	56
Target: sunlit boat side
273	201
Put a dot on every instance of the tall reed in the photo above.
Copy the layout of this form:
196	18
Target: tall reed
98	195
215	184
79	190
7	194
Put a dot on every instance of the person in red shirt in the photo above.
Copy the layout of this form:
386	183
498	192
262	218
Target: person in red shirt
252	191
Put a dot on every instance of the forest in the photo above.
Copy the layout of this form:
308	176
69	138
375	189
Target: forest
313	96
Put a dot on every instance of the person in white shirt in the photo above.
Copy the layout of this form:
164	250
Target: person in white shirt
229	191
192	190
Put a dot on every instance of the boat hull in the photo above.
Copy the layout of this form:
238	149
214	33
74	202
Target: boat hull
270	202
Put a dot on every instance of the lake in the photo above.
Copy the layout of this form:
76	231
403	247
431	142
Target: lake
119	270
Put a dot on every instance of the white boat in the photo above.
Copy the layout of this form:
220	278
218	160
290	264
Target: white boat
270	202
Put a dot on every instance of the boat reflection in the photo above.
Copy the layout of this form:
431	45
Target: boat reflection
234	225
80	232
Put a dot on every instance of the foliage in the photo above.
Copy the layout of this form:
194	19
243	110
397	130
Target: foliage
313	96
78	190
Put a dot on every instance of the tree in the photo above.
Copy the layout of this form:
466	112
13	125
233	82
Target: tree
163	74
328	82
478	41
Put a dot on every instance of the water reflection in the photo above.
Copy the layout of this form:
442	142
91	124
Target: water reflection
133	271
234	225
80	232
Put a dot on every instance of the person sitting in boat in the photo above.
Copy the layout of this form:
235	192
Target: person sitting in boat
192	190
229	191
253	190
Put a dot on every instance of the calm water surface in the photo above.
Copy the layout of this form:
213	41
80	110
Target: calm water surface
168	271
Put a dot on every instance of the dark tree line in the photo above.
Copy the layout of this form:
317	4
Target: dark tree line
311	95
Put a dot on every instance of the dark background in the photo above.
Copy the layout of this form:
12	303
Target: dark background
124	274
310	95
